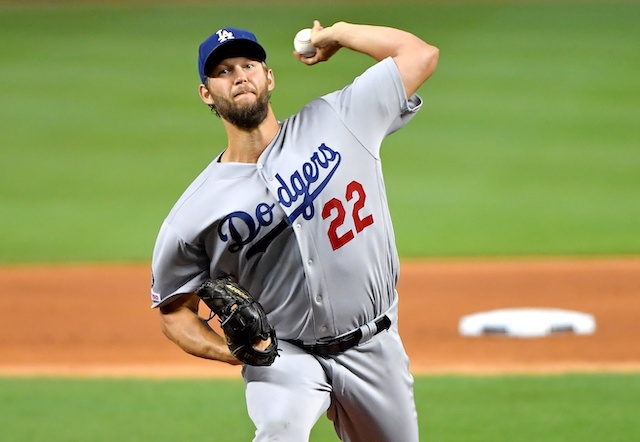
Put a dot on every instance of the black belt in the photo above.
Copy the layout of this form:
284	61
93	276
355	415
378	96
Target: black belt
340	344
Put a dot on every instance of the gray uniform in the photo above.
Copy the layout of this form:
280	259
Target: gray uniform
307	231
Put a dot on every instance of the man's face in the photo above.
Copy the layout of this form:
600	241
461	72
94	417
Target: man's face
240	88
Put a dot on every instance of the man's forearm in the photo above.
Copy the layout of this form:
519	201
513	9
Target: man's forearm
416	59
378	42
191	333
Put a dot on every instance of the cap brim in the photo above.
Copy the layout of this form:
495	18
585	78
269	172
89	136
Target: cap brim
234	48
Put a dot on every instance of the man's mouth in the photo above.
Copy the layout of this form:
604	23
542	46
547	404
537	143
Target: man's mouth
242	92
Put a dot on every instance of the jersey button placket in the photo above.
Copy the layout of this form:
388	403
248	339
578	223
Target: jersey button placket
320	306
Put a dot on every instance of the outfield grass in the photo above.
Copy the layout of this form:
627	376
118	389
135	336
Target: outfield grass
567	408
527	145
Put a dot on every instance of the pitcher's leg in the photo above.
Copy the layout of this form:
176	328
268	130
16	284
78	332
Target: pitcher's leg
373	392
285	400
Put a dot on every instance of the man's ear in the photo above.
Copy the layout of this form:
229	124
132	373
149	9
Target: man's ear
205	95
271	80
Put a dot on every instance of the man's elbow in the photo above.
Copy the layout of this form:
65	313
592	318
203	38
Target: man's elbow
164	325
169	319
429	56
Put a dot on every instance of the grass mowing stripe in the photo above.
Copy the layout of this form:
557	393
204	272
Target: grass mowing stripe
559	408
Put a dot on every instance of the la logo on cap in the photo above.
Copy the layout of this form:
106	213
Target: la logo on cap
224	35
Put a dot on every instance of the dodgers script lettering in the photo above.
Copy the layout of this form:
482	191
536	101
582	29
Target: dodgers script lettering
296	193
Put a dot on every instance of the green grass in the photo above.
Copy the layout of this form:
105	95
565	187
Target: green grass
566	408
527	144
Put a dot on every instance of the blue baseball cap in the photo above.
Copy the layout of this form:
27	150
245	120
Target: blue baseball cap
227	43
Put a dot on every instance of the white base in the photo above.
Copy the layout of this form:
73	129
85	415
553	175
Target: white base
527	323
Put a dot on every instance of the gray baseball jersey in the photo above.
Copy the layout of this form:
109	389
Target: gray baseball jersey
306	230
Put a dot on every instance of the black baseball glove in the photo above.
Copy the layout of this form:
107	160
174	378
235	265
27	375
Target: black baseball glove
242	319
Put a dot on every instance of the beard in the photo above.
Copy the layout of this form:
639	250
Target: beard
244	116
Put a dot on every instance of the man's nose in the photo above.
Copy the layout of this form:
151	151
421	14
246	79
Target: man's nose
240	76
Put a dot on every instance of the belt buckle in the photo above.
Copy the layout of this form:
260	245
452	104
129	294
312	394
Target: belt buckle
337	345
327	349
333	346
348	341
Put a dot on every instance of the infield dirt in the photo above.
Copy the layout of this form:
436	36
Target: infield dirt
96	320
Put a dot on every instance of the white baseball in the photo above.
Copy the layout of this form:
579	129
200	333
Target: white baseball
302	43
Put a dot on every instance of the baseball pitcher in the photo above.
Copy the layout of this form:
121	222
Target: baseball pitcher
286	236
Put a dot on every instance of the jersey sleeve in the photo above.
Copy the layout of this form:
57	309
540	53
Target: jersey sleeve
177	267
375	104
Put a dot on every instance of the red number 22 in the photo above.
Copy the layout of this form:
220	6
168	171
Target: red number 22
336	207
